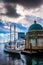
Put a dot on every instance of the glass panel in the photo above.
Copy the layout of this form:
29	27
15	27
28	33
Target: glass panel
33	41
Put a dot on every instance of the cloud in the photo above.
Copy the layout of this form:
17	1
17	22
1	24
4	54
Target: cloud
6	27
26	3
29	20
4	37
9	10
40	21
13	9
10	7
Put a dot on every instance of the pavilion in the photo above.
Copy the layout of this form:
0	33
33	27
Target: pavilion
34	37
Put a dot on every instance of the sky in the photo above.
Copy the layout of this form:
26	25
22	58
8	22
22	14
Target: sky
22	13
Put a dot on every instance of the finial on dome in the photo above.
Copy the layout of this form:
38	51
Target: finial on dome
35	22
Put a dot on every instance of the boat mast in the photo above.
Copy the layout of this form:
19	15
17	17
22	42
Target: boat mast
10	34
14	34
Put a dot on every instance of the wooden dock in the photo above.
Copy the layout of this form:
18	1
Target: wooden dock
29	52
33	53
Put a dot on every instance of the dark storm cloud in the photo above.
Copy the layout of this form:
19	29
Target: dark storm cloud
26	3
11	10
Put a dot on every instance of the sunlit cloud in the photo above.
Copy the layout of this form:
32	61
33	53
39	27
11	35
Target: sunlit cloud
6	27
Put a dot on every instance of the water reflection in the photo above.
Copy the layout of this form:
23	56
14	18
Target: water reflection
18	59
37	61
24	60
28	60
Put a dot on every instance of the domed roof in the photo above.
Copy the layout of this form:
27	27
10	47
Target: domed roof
35	26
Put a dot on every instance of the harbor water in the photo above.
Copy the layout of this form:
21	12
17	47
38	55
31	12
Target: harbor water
18	59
